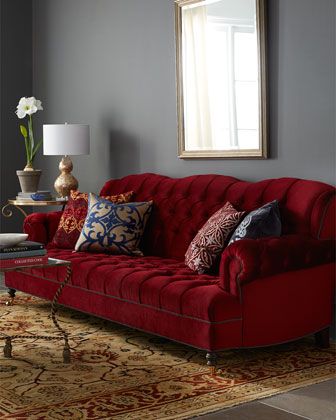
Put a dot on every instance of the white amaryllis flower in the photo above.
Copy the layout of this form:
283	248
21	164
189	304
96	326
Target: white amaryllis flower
28	106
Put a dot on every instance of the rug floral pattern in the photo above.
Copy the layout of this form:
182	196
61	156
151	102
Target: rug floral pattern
120	373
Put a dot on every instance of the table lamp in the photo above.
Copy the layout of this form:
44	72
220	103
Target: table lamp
66	139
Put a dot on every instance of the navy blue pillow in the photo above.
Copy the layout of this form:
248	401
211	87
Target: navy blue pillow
262	222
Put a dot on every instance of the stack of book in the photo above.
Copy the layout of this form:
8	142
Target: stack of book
37	196
25	253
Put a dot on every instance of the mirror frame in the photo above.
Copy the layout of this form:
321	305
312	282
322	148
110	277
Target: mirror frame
262	152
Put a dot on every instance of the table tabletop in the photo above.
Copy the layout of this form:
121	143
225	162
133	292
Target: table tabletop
52	262
15	202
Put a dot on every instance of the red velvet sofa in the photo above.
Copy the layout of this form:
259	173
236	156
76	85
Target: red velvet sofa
265	291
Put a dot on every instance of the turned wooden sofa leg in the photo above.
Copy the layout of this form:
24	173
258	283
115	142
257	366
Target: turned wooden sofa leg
211	359
11	294
322	338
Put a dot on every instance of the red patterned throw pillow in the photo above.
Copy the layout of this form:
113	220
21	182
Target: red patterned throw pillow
74	214
210	240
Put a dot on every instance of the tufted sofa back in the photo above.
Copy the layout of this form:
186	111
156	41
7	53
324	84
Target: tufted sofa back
182	206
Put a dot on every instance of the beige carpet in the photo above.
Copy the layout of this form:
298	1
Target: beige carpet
120	373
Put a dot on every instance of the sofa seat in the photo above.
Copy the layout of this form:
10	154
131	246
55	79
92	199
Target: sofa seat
153	294
161	283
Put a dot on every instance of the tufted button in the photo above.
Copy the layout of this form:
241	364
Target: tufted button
308	258
189	214
286	263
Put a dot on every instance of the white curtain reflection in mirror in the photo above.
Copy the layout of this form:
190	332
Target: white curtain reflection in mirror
220	75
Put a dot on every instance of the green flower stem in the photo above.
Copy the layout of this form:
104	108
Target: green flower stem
31	138
36	148
27	150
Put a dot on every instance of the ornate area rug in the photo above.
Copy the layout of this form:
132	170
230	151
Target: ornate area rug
120	373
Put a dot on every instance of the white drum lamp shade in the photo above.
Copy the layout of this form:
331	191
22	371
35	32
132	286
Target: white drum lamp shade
67	140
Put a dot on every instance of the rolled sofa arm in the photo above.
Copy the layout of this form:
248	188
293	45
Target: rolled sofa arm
41	227
249	259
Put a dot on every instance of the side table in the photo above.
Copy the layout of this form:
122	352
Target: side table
6	212
52	262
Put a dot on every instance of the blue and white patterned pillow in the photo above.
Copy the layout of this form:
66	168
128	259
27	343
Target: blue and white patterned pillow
262	222
113	228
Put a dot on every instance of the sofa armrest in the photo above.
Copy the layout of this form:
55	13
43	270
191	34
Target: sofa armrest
41	227
250	259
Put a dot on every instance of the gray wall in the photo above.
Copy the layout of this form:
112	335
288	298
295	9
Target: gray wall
111	64
15	82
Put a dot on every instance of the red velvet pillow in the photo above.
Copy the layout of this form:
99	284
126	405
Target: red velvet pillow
210	240
73	217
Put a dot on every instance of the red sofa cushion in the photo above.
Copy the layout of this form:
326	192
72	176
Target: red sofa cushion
161	283
182	206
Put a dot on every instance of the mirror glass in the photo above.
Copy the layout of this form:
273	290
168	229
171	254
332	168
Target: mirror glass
221	78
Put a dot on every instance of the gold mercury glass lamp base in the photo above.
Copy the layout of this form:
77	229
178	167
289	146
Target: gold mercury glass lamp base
65	181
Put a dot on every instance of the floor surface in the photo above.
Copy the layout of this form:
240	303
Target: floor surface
314	402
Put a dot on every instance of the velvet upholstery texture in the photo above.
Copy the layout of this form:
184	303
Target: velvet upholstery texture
251	259
267	290
162	283
41	227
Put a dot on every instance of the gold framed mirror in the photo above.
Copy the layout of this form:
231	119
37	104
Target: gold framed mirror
221	78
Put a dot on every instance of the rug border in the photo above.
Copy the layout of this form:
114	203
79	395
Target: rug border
200	412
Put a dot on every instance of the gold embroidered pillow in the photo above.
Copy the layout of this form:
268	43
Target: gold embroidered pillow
73	217
210	240
113	228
